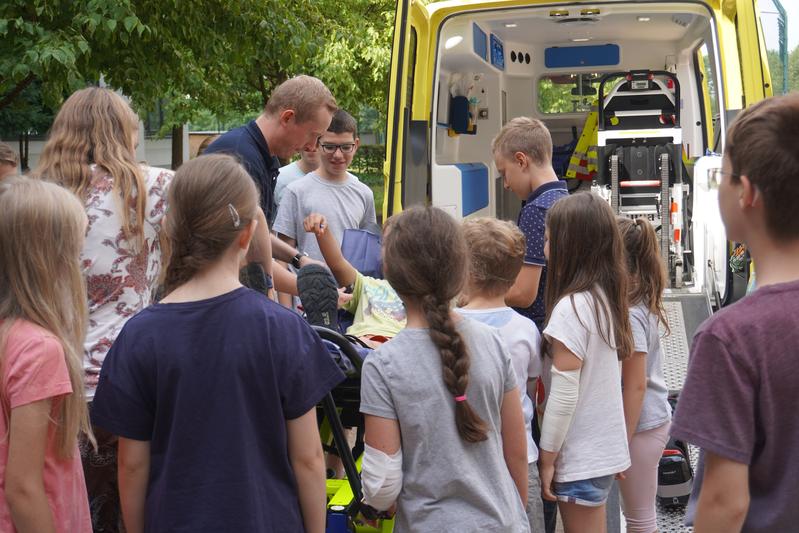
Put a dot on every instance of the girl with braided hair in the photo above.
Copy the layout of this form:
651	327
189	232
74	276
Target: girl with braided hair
445	435
212	391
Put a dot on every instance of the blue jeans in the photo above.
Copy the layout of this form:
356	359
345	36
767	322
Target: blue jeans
590	492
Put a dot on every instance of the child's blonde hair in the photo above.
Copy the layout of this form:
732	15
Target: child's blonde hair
97	126
41	231
7	155
211	199
527	135
496	254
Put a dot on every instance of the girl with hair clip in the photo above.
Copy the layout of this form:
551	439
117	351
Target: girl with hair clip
212	391
646	408
42	325
583	439
444	434
91	150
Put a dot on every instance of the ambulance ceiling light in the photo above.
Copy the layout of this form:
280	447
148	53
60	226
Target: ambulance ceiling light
644	19
511	25
453	41
581	39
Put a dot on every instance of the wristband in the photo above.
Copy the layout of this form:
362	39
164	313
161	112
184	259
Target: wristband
295	261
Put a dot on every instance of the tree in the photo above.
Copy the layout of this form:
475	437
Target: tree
52	42
220	55
24	117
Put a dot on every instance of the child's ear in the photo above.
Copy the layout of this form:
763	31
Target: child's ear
521	159
246	235
749	195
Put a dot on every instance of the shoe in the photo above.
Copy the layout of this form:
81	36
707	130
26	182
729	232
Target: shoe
319	296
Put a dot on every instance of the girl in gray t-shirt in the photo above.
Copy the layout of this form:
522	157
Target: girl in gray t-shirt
646	409
445	436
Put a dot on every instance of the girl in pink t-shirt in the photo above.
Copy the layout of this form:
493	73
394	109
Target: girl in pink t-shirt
42	326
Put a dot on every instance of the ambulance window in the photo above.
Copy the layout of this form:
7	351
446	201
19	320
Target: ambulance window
568	93
707	80
773	32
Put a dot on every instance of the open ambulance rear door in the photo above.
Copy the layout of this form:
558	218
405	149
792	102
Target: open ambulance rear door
407	131
746	80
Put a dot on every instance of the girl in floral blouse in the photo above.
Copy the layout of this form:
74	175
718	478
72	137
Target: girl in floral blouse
92	152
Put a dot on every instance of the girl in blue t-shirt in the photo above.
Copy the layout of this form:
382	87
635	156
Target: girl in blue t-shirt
213	390
646	408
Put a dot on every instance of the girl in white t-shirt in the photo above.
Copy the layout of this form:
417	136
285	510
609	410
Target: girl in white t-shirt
646	407
583	438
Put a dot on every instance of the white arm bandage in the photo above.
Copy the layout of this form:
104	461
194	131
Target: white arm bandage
381	476
561	404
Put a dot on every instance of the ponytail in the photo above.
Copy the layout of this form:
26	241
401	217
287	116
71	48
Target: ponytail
645	266
425	261
455	366
211	199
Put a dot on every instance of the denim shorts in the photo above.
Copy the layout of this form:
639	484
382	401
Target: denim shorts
590	492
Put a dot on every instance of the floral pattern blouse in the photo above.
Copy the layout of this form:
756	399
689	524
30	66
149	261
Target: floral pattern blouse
120	279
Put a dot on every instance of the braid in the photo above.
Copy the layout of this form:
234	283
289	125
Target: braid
454	364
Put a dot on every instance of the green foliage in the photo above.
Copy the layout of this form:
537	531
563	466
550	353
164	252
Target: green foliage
222	56
369	160
26	114
776	69
52	41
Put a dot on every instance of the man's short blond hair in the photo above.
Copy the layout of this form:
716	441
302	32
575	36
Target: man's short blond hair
527	135
7	155
302	94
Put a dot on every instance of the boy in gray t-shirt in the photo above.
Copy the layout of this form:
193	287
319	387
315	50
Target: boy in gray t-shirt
331	191
738	403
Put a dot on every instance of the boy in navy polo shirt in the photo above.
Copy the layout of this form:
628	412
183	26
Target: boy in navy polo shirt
522	153
523	156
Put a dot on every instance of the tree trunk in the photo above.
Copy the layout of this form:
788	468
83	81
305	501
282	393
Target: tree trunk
177	146
24	149
8	98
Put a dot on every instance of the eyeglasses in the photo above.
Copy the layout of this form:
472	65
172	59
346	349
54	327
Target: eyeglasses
330	149
714	176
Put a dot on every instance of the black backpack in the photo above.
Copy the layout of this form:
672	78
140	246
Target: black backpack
675	475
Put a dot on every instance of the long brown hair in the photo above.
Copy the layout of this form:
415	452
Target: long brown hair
41	231
586	255
647	275
97	126
211	200
426	262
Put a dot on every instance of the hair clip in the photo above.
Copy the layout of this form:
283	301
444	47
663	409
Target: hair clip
234	215
461	398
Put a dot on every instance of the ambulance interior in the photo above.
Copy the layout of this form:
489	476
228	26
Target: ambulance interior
547	63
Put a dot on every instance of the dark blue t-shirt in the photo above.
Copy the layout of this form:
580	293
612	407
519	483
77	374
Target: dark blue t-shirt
211	385
532	222
249	146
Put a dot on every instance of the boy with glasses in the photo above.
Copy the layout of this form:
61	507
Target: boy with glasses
737	403
330	190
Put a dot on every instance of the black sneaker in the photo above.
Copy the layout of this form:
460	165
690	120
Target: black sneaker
319	296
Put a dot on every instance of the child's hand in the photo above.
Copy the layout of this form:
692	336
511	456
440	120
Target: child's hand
343	297
546	470
315	223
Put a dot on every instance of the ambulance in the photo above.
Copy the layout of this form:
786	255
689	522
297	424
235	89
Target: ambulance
638	96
